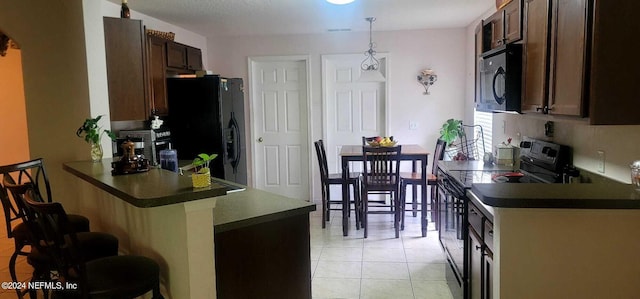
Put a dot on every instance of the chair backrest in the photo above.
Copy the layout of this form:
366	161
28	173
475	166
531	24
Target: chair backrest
31	172
381	167
48	223
322	161
438	154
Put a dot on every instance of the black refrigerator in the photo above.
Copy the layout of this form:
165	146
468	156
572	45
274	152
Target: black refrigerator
206	115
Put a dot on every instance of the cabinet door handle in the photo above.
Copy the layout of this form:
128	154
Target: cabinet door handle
472	211
478	247
491	233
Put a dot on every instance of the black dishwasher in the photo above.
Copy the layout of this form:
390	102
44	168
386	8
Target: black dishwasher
453	230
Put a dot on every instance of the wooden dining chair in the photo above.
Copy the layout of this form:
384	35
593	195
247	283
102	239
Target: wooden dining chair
107	277
415	179
327	179
381	173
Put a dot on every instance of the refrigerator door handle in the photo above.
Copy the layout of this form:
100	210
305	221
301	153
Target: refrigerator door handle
236	142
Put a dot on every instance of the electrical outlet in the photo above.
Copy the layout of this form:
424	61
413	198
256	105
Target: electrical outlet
413	125
601	161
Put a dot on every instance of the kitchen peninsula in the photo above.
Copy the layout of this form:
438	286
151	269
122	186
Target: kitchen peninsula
160	215
537	240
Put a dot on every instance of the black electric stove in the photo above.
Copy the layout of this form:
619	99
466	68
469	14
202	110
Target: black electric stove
540	162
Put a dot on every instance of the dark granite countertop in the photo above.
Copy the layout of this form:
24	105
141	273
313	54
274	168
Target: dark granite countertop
569	196
600	194
250	207
157	187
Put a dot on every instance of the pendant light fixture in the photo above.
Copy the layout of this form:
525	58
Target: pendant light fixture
340	2
370	65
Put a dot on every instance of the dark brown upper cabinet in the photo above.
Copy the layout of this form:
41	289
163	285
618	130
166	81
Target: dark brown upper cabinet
137	68
126	70
503	27
157	49
575	60
537	16
613	93
183	58
568	57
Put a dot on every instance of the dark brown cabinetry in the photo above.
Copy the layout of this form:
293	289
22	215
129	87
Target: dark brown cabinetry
479	254
478	60
568	57
126	73
137	68
157	75
183	58
587	71
503	27
535	54
264	260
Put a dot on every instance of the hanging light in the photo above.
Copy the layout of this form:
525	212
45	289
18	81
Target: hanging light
340	2
370	63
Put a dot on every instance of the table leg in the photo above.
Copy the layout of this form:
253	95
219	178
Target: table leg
345	197
423	210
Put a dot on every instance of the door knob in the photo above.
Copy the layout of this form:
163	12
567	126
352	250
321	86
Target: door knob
260	139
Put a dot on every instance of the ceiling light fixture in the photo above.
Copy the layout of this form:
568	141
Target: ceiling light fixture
340	2
370	63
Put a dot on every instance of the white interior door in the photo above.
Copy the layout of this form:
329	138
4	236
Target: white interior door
280	127
353	108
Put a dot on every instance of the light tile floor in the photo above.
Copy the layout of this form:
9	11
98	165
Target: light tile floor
23	270
379	266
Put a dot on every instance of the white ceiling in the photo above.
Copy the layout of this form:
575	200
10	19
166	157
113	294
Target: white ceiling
267	17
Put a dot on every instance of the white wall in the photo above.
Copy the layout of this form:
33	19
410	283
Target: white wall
51	36
410	52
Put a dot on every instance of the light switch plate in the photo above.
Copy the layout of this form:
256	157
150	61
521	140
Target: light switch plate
601	161
413	125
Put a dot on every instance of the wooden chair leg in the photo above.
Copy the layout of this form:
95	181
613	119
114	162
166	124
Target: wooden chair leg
365	212
356	204
398	203
324	209
403	196
414	199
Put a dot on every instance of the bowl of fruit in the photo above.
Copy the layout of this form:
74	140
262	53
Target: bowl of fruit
382	141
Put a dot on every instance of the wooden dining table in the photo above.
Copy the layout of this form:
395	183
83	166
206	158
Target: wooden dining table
409	152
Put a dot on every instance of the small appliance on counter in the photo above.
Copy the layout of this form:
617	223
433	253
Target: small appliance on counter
151	142
130	162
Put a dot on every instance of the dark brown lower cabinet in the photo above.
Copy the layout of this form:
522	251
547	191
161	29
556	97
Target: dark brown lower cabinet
479	255
475	264
265	260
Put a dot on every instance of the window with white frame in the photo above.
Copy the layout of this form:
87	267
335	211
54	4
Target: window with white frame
485	120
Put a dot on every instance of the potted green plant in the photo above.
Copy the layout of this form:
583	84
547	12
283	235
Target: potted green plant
202	174
451	130
92	133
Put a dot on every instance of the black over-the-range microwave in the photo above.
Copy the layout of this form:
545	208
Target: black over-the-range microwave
500	75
